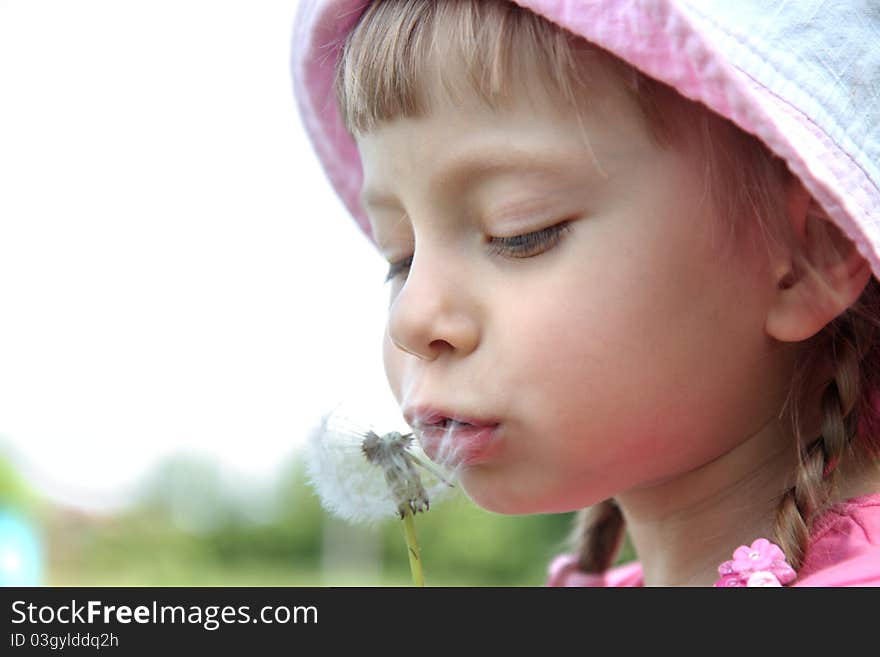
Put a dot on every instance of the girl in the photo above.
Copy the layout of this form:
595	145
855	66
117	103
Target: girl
633	252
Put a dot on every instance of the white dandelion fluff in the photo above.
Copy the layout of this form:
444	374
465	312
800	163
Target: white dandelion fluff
365	476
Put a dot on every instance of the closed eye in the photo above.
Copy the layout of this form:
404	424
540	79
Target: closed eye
527	245
398	267
530	244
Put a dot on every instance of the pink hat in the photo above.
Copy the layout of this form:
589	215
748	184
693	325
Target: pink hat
803	76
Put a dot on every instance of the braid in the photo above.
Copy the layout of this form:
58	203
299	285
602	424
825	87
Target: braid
597	536
845	404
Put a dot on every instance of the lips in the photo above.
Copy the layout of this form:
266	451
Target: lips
453	438
424	417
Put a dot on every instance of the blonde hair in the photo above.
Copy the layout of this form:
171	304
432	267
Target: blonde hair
388	70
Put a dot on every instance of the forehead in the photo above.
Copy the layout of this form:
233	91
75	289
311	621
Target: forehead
469	165
462	140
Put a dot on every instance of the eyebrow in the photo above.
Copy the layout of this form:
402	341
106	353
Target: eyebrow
478	166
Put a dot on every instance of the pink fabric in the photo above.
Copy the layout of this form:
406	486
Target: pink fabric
844	550
564	573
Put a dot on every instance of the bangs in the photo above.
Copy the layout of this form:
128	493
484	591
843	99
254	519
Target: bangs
406	55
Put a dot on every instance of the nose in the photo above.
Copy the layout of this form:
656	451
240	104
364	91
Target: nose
434	311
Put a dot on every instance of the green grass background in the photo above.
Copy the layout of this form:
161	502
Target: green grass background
187	529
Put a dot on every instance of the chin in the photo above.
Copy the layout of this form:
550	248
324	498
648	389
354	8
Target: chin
512	503
505	498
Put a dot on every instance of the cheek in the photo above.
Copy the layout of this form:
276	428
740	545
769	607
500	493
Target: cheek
392	359
565	330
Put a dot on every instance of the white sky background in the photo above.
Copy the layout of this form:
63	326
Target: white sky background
176	272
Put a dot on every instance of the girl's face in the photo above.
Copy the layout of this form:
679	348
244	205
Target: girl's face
616	346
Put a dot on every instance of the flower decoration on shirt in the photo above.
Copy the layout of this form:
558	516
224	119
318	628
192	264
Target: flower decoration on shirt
760	564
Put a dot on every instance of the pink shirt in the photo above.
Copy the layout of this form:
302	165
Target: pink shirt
844	550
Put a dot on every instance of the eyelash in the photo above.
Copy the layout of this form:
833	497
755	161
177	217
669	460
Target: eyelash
518	246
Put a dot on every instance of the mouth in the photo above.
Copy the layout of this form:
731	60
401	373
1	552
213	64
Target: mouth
449	423
452	439
425	417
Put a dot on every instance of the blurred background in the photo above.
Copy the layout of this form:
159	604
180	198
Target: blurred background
183	297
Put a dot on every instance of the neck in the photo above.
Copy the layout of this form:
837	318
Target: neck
682	528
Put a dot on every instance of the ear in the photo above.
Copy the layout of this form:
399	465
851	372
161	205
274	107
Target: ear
818	278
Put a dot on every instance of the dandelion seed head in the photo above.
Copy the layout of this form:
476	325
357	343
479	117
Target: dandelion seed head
339	468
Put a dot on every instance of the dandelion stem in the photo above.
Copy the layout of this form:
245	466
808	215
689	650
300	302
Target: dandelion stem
412	548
